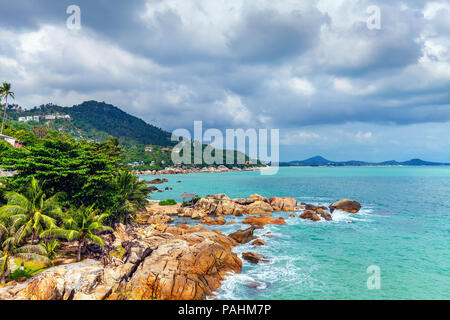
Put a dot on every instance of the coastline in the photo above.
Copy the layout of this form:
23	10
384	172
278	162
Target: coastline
175	170
153	258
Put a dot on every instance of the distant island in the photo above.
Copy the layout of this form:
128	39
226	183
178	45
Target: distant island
321	161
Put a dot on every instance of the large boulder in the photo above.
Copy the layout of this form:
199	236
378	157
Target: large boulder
283	204
324	214
257	197
207	205
346	205
310	215
243	236
262	221
259	207
159	263
57	283
252	257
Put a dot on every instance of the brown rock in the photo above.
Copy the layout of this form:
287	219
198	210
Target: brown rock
346	205
176	263
157	181
324	214
243	236
283	204
257	197
258	242
252	257
220	221
262	221
311	215
243	202
259	207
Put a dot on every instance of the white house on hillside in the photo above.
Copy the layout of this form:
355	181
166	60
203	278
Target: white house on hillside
8	139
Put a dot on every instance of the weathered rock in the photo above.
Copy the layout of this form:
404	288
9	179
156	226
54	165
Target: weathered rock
324	214
243	236
157	181
207	205
311	215
252	257
262	221
171	263
57	283
221	196
258	242
283	204
243	202
259	207
257	197
210	221
346	205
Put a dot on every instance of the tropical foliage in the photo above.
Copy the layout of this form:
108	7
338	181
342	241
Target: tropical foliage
11	247
81	225
65	194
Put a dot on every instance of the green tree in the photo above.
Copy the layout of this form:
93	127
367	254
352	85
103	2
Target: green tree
50	247
80	225
83	171
5	92
11	248
133	194
32	209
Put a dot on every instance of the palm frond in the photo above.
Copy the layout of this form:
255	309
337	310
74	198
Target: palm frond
33	257
10	210
95	239
69	235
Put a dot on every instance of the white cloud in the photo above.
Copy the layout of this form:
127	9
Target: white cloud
302	86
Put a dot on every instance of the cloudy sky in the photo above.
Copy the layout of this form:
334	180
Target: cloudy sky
313	69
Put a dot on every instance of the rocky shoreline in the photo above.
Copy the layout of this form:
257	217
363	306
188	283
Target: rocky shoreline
149	259
177	170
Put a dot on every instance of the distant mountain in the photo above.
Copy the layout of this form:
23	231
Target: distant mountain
314	161
321	161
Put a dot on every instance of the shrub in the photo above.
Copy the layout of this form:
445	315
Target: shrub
169	202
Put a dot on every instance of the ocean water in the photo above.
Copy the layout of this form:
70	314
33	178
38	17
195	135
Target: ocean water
403	229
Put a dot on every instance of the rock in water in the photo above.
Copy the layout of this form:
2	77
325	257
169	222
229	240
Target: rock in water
283	204
258	242
252	257
311	215
262	221
346	205
243	236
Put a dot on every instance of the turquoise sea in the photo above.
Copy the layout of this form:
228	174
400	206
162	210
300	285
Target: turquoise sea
403	228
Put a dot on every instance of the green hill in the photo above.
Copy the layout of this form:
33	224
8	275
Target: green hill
98	121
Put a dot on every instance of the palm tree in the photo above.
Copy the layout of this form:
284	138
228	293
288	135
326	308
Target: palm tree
50	247
32	209
80	225
5	92
133	193
11	248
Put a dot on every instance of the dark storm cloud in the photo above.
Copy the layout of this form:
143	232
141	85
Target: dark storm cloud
274	65
269	36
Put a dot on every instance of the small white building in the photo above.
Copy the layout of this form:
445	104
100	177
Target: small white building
8	139
36	118
50	117
22	119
